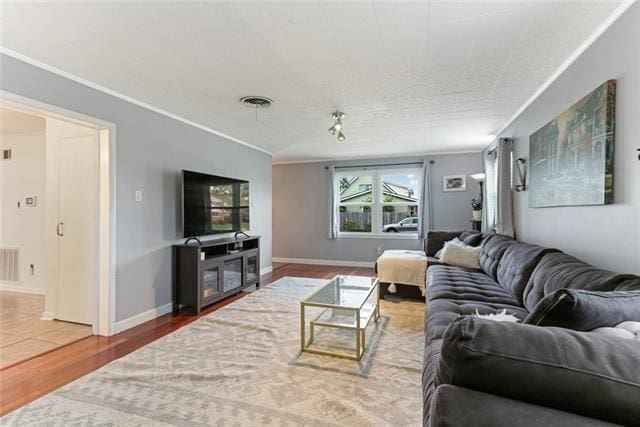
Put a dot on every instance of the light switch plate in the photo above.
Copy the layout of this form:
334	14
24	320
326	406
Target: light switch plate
30	201
138	195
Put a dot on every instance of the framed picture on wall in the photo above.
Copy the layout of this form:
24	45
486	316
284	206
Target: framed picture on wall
454	183
572	156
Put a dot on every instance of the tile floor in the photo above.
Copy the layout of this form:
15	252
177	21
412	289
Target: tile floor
22	333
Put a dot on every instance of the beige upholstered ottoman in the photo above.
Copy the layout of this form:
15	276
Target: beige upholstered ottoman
402	267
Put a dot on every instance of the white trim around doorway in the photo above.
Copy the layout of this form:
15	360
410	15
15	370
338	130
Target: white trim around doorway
105	294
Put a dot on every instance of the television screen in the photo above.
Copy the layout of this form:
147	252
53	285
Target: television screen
213	204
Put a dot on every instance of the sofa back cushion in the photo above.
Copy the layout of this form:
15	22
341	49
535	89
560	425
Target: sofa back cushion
558	270
435	240
517	264
492	251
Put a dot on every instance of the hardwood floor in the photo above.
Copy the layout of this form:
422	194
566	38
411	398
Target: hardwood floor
29	380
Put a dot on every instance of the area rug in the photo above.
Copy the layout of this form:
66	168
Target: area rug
242	365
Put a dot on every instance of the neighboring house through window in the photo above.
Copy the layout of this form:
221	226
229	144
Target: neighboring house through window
378	201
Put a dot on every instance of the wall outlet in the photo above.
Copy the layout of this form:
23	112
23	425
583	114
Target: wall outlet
138	195
379	250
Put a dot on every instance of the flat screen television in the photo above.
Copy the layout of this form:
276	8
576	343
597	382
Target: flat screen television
213	204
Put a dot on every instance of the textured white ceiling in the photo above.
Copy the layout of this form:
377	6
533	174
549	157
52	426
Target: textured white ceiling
13	122
412	77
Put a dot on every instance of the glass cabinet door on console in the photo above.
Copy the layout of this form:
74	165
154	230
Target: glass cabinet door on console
251	268
232	277
210	281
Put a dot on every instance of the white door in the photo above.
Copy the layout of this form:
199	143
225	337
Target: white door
78	228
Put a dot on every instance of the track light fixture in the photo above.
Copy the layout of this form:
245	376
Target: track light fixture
336	129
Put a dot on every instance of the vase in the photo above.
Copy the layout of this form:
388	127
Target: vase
477	215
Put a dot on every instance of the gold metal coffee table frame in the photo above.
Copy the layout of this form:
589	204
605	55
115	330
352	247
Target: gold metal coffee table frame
362	312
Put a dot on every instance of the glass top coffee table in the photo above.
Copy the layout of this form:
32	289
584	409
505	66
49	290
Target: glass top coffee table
345	303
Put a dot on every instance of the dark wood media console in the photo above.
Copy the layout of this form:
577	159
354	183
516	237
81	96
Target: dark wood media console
208	272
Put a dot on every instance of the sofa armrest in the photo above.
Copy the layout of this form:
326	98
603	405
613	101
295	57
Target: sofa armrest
457	406
581	372
435	240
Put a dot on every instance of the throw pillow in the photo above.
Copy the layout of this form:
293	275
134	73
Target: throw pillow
455	241
461	255
582	310
472	239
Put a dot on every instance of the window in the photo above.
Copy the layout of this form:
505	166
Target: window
356	201
378	202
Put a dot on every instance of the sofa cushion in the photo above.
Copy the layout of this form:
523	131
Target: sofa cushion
455	291
429	363
433	261
492	251
584	373
442	312
517	264
582	310
435	240
558	270
457	406
458	283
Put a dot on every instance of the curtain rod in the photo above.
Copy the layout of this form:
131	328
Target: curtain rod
380	165
500	140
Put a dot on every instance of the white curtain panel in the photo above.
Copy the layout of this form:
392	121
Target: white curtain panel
425	201
333	222
490	190
504	203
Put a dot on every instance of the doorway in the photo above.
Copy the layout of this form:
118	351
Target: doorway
62	261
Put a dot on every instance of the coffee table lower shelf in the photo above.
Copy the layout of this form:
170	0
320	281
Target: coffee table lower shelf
363	317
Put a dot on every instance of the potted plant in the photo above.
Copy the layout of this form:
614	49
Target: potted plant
476	205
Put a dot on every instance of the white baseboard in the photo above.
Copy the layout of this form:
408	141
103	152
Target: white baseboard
4	286
338	263
138	319
266	270
47	315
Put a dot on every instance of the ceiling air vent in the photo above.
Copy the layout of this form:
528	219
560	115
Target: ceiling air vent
256	101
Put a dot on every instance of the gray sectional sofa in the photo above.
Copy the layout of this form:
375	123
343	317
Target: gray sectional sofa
546	369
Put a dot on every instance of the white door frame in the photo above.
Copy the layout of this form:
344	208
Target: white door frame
105	294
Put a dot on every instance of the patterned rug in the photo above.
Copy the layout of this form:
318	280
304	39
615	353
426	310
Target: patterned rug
242	365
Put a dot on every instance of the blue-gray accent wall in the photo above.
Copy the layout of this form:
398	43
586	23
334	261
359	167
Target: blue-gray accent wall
151	150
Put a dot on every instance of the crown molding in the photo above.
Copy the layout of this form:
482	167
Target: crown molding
103	89
567	63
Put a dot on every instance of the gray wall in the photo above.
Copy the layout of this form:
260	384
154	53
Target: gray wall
151	150
607	236
301	207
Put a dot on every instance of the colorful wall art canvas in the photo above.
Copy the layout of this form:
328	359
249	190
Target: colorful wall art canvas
571	157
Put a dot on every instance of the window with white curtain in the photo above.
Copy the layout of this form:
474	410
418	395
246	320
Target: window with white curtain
378	202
